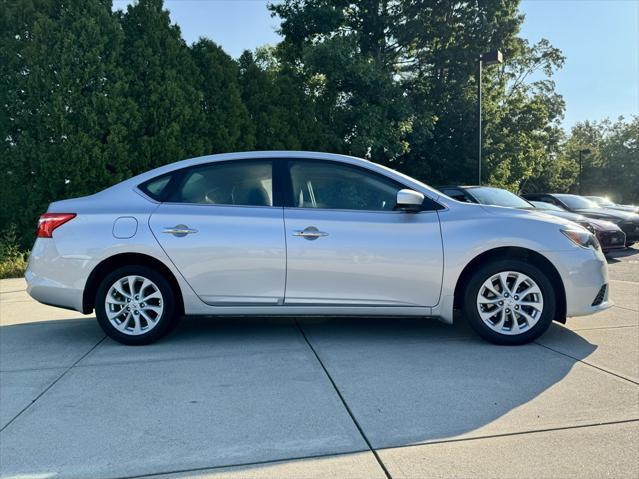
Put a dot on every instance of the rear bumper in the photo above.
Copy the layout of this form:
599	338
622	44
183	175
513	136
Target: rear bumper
56	280
583	272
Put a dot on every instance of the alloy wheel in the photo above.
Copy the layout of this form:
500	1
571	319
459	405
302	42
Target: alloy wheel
134	305
510	302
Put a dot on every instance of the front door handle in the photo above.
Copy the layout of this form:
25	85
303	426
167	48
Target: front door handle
179	230
309	233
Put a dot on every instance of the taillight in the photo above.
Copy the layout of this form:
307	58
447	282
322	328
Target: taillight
50	221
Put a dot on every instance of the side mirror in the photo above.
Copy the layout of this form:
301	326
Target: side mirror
409	201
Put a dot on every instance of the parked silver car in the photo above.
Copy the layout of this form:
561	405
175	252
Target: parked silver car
296	233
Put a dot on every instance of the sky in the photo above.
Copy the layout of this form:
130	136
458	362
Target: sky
600	39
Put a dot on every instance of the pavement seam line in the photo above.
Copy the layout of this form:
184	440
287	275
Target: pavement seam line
337	454
624	281
627	309
589	364
243	464
517	433
52	384
339	394
605	327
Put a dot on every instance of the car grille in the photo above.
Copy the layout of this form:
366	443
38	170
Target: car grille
609	240
600	296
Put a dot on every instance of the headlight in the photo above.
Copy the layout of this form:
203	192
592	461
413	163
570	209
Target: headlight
582	238
587	225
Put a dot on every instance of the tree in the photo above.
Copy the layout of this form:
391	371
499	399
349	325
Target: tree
396	81
226	125
162	81
610	161
65	110
341	50
279	105
620	154
611	164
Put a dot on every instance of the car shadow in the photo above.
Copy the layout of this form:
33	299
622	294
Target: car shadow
406	380
624	253
411	381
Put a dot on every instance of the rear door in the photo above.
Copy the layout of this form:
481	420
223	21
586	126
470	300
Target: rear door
219	227
347	246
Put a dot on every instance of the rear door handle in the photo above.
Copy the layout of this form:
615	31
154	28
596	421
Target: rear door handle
179	230
310	233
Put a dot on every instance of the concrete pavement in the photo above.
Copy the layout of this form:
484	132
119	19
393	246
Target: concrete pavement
319	397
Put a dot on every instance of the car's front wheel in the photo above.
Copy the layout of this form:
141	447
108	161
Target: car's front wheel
509	302
135	305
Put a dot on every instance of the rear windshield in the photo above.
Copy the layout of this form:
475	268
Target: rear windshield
155	187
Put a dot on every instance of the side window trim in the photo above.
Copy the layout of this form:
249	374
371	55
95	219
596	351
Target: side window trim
282	183
282	186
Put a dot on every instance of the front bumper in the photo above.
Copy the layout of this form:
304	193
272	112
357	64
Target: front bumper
631	229
584	272
610	240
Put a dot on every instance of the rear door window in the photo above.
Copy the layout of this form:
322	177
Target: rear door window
241	183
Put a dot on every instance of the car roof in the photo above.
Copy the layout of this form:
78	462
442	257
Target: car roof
463	187
281	154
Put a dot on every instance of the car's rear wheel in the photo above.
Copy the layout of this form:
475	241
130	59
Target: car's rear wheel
135	305
509	302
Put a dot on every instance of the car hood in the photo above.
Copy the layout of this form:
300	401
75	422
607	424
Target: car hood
531	214
607	213
603	225
629	208
564	214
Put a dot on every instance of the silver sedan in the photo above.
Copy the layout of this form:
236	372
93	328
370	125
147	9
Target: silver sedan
296	233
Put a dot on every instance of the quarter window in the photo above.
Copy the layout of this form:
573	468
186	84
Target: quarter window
319	184
247	183
155	187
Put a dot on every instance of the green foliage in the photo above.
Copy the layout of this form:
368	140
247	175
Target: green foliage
344	51
91	96
226	125
13	261
609	157
65	109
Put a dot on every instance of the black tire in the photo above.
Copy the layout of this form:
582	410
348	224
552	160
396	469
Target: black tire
472	290
162	323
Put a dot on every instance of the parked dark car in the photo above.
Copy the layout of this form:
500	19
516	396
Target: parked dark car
609	235
604	202
627	221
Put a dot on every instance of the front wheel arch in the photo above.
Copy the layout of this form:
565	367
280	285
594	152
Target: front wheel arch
127	259
523	254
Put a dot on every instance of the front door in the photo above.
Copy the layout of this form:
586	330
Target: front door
347	246
219	228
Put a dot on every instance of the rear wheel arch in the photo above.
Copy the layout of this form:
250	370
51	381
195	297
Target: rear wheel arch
524	254
127	259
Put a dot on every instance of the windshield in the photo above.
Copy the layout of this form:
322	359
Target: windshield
546	206
499	197
577	202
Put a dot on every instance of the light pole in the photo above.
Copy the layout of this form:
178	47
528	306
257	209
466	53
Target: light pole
582	151
490	58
